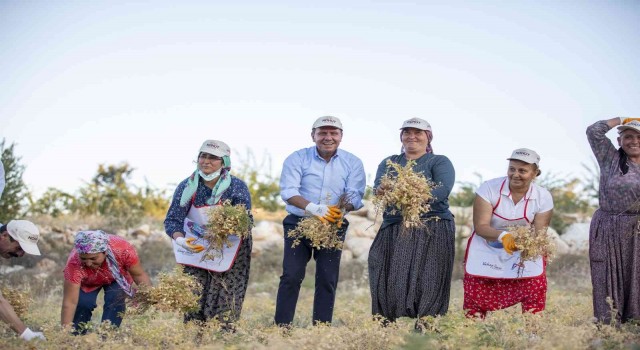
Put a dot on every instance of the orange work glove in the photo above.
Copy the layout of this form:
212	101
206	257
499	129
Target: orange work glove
508	242
188	244
334	214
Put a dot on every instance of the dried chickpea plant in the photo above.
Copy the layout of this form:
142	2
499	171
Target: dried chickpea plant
322	233
533	244
406	192
18	299
225	220
174	292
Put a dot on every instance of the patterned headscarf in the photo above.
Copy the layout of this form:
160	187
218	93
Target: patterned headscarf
224	181
90	242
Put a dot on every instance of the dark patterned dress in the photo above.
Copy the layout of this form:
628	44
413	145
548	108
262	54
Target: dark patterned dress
223	292
410	271
614	243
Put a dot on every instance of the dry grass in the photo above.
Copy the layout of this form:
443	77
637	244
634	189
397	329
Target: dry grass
403	190
19	300
177	291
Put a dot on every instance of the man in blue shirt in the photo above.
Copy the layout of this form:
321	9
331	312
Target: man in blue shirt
312	180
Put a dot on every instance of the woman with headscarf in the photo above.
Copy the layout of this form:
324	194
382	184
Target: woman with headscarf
99	261
614	237
495	278
212	184
410	270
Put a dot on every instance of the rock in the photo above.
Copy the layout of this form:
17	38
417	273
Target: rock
46	265
463	231
577	237
266	234
143	230
5	270
347	256
463	215
364	211
264	230
361	227
561	246
359	246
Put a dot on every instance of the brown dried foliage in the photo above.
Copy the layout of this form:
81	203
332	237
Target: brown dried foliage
403	190
18	299
533	244
174	292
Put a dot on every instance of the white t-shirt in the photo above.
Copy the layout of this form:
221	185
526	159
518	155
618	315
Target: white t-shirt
540	201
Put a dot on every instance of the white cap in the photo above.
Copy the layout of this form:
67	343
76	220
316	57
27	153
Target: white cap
26	233
632	125
327	121
416	123
215	147
526	155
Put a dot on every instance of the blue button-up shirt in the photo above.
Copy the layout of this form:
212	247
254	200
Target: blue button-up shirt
306	174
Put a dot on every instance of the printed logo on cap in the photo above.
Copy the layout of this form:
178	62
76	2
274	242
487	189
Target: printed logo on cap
523	153
329	120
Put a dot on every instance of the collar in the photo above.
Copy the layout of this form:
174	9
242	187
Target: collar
317	155
531	194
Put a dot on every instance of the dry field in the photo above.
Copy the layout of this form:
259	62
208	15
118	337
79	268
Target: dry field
566	324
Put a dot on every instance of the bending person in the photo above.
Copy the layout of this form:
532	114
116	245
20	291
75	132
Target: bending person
99	261
17	238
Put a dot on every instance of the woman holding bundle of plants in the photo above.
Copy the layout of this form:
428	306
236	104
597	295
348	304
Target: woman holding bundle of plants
99	261
496	276
614	239
211	184
410	265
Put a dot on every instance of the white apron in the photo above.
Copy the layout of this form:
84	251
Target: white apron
490	260
194	227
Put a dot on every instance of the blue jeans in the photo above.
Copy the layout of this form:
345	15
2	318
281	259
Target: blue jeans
293	270
114	306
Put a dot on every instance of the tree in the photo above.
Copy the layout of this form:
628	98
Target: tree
569	200
110	195
465	196
53	203
15	191
264	188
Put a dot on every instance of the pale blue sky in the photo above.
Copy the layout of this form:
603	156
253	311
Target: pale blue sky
88	82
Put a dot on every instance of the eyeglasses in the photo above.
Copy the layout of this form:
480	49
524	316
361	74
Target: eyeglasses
204	156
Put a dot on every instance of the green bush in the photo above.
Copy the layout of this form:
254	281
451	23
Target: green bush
13	202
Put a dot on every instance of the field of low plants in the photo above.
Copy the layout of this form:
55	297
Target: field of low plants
566	324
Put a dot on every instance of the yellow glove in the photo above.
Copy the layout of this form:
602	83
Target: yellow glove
197	248
334	214
508	242
626	120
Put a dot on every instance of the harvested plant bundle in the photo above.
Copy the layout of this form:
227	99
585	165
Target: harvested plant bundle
533	244
174	292
321	233
18	299
225	220
404	191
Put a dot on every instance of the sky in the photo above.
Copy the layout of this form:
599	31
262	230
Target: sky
84	83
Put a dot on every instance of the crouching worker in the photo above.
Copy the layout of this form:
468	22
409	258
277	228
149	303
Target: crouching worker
99	261
17	238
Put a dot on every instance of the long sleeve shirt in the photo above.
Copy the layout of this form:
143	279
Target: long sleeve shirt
306	174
